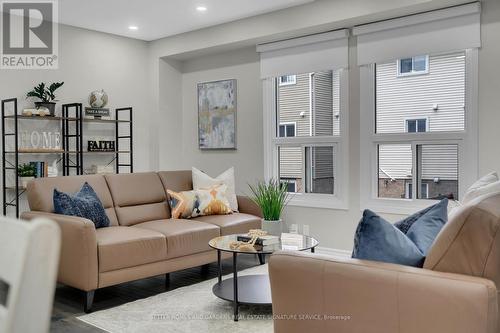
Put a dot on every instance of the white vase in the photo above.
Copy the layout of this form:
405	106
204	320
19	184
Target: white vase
274	228
25	181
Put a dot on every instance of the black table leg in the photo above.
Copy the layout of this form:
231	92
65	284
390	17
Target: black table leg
235	287
262	258
312	250
219	265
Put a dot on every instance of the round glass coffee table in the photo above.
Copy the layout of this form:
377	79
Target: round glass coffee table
252	289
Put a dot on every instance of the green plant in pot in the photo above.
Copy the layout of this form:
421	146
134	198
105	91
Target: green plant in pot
46	95
272	197
26	173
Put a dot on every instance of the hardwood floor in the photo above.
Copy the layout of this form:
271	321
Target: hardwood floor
68	303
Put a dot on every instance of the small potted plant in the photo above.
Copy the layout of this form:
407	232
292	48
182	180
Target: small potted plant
26	173
46	95
271	197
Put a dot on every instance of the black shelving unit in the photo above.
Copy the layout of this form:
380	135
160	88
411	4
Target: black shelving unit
10	158
129	138
122	116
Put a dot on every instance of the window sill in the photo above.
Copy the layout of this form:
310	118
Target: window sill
396	206
318	201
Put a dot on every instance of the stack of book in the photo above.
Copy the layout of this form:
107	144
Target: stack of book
41	169
262	240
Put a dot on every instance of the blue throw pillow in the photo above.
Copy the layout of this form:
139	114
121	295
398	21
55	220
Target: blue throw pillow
84	203
405	224
426	228
379	240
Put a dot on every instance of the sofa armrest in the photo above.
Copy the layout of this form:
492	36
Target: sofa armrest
78	264
247	206
315	293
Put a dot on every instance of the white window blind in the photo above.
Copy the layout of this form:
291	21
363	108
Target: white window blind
445	30
305	54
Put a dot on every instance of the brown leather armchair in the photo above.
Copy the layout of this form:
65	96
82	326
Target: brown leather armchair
455	291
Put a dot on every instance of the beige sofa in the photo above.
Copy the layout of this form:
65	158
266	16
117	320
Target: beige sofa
142	240
455	292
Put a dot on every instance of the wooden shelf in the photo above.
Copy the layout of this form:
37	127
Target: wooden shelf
38	151
40	118
107	152
90	120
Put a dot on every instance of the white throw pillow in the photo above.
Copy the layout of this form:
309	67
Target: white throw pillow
201	180
486	184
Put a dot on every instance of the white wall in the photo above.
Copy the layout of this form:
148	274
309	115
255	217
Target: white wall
179	144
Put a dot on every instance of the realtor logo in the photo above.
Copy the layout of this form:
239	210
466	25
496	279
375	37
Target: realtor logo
29	35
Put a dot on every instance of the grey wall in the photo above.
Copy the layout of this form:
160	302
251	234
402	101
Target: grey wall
334	228
163	91
178	145
88	61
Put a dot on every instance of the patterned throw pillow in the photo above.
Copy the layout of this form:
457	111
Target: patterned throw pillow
84	203
201	202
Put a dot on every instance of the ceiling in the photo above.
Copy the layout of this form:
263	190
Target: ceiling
161	18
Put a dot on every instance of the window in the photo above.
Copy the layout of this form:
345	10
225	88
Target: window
308	142
287	80
287	130
416	125
413	66
424	190
290	184
399	148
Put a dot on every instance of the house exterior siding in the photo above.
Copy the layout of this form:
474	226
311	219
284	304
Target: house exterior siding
437	96
313	105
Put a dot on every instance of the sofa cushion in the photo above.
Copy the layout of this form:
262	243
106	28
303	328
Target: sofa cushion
121	247
138	197
237	223
40	192
184	237
177	181
469	243
486	184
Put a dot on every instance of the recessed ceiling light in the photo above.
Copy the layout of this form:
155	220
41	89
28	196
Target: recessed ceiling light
133	27
201	8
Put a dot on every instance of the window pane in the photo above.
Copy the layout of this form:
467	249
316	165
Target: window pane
419	63
422	125
394	170
438	96
290	130
312	103
437	171
282	131
405	65
290	165
412	126
320	170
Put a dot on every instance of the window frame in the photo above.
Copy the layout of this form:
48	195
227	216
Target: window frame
466	141
338	200
413	72
406	120
407	190
292	82
287	123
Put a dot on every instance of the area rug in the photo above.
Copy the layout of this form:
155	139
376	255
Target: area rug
188	309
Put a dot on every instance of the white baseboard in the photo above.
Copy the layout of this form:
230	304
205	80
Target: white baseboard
333	252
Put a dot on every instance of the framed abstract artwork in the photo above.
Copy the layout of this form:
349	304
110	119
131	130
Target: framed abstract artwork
217	114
